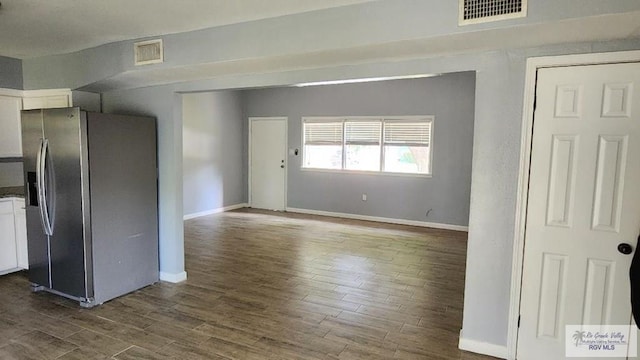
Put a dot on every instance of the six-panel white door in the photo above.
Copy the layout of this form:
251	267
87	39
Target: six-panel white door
584	200
267	172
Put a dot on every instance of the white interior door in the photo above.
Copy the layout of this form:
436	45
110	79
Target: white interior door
584	200
268	141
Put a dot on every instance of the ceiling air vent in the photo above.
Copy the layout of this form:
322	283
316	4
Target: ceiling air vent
479	11
148	52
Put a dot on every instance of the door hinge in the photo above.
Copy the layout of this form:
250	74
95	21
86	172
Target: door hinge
518	321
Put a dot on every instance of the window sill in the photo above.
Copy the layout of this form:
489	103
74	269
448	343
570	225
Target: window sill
358	172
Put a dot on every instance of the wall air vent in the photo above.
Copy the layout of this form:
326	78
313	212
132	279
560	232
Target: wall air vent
148	52
479	11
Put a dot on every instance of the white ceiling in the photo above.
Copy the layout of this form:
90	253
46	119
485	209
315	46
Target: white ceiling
32	28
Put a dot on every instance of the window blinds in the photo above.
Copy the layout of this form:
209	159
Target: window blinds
362	133
412	133
407	133
323	133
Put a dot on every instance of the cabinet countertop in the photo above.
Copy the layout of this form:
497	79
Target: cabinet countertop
12	192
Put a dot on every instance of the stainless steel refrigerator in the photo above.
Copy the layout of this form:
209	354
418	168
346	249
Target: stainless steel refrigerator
91	203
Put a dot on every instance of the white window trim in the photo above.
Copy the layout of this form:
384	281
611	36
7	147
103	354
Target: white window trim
364	172
402	118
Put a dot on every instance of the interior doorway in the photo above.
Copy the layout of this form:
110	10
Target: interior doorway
267	163
579	200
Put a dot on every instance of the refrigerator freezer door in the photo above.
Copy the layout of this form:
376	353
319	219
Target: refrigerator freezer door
38	244
65	172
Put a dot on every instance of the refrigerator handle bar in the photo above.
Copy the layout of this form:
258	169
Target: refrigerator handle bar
42	195
49	193
39	184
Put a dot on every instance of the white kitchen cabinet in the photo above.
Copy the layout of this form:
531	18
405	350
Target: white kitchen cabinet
8	248
13	236
10	129
20	221
46	99
12	101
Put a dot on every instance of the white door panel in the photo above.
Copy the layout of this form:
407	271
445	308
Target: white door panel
584	200
267	167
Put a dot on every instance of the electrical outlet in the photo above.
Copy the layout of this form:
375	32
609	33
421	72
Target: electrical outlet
364	197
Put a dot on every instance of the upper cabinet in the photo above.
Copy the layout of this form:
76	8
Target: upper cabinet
10	131
12	101
46	99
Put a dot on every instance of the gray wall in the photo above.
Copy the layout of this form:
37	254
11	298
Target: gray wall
87	101
213	156
10	73
11	174
450	98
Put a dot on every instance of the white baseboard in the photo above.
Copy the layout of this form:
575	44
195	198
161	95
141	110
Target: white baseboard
483	348
173	277
380	219
215	211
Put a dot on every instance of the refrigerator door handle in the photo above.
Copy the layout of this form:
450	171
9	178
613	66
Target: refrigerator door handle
49	192
39	184
42	194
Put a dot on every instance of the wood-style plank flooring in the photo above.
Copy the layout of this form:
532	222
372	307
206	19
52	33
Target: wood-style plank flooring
265	285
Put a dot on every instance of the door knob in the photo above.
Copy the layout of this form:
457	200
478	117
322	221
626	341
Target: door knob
282	166
625	248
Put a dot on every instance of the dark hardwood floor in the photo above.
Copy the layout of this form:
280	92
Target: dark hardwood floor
265	285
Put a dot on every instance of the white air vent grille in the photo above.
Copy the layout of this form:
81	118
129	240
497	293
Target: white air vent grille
479	11
148	52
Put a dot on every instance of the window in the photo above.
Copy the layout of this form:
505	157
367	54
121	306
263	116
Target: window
323	145
406	147
362	145
387	145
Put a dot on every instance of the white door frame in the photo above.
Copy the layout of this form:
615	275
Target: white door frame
533	64
286	144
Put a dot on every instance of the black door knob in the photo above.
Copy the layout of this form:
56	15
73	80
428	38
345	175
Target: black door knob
625	248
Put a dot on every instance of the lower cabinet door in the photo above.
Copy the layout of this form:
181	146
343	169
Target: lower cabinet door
21	234
8	249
